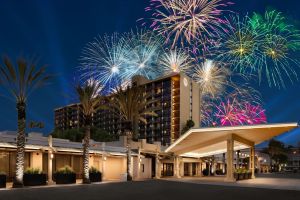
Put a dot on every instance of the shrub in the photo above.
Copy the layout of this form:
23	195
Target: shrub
93	170
32	170
219	172
65	170
205	172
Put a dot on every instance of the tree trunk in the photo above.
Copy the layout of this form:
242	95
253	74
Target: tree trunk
86	152
18	181
129	177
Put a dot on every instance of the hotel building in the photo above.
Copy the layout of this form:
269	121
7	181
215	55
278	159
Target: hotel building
175	100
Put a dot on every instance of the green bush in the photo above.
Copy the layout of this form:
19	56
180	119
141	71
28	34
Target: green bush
94	170
241	171
65	170
31	170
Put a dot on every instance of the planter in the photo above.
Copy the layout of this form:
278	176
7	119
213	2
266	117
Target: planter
241	176
236	176
65	178
249	175
34	179
95	177
2	181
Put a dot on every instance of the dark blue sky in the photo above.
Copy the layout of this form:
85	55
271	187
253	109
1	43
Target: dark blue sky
57	30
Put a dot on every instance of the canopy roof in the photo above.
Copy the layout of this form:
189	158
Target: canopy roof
202	142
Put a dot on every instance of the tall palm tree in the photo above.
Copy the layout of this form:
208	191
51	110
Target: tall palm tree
132	105
21	80
90	100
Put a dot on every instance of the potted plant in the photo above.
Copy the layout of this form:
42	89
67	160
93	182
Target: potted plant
2	179
33	177
205	172
95	175
65	175
249	174
219	172
239	174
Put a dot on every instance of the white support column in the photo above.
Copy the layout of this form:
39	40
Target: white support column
200	169
157	167
50	158
190	169
230	165
139	164
176	167
252	161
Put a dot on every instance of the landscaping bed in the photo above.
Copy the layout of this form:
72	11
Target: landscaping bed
95	175
65	175
242	174
34	177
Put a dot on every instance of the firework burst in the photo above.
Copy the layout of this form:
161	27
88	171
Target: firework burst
175	61
238	46
278	47
114	60
261	45
232	113
145	50
183	21
104	59
211	77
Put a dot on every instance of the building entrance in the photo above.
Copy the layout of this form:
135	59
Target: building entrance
168	169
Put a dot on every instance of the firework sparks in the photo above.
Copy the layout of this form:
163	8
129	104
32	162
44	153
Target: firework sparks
233	113
175	61
228	113
211	77
114	60
253	114
182	21
104	59
145	50
279	44
261	45
239	46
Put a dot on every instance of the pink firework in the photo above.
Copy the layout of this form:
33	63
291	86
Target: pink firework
233	113
184	21
253	114
228	113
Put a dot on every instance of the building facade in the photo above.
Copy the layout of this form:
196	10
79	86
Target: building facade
175	100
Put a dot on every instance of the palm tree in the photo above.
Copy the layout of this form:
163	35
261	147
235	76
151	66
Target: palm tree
132	105
20	81
90	100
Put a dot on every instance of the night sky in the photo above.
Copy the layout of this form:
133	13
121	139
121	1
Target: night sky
57	30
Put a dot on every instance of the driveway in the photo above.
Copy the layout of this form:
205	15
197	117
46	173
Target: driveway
147	190
267	181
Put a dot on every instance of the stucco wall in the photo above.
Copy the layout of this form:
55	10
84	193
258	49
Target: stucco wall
36	160
114	167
